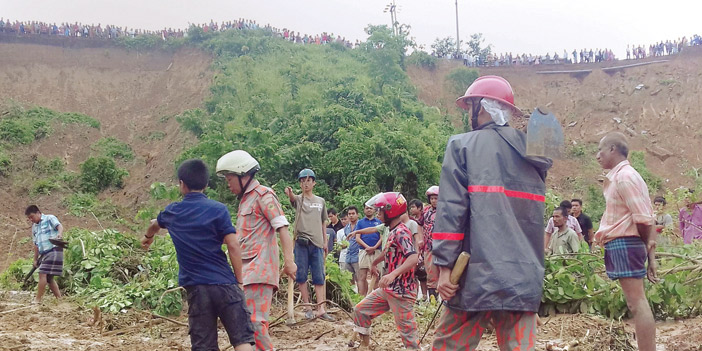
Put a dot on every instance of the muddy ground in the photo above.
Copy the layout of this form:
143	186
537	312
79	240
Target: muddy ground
65	325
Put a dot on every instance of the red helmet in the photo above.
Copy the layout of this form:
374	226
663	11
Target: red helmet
433	190
493	87
394	204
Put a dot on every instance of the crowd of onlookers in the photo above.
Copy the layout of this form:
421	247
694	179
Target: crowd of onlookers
661	48
505	59
111	31
508	59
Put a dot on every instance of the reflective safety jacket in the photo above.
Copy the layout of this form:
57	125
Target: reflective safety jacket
491	204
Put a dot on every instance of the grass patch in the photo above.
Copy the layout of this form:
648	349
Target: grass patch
113	147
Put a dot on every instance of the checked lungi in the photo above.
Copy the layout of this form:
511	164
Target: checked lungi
52	262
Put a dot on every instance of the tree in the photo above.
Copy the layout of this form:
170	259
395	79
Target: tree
475	43
387	52
444	47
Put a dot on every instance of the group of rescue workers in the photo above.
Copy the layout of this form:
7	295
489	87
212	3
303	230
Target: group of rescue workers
490	203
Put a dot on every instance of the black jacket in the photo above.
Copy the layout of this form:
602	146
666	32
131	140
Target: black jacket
491	204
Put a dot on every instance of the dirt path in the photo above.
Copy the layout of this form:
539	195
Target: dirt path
66	326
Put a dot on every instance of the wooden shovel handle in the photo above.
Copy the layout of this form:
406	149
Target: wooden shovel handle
291	295
459	267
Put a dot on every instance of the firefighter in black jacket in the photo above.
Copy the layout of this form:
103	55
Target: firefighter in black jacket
491	204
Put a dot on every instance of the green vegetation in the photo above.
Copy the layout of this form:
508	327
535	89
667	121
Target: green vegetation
577	283
44	166
637	161
5	163
22	126
460	78
422	59
44	187
99	173
114	273
321	107
113	147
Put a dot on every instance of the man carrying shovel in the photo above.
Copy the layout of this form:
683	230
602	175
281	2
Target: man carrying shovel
491	204
48	258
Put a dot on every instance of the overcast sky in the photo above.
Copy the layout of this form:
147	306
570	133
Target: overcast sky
531	26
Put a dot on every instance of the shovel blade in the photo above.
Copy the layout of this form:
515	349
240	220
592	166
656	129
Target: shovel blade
544	135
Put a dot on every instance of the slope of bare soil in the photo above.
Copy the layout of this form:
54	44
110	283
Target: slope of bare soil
134	95
662	117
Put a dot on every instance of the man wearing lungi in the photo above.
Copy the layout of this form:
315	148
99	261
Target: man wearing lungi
47	256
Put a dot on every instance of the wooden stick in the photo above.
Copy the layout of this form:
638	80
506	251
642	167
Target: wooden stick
291	297
16	309
168	319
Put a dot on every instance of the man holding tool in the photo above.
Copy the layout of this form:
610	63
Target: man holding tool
397	288
491	204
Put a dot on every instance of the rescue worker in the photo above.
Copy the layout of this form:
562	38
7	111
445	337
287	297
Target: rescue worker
491	204
427	223
397	290
260	216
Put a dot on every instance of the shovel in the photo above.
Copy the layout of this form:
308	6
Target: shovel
544	135
291	307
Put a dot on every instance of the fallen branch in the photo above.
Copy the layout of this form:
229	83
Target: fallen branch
16	309
167	291
125	330
169	319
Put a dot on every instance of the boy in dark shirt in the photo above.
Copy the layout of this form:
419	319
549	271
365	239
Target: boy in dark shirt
198	227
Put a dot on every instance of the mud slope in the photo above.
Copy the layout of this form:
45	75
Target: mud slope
662	117
134	95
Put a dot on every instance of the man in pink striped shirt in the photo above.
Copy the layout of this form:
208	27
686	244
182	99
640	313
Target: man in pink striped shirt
626	231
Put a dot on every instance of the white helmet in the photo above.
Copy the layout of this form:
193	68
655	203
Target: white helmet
433	190
237	162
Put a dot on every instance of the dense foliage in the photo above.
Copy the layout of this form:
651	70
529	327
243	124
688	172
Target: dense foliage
99	173
351	115
578	283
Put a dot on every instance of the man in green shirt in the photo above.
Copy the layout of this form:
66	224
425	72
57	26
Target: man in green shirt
565	240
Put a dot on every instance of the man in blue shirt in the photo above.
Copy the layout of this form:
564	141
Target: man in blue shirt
351	264
198	227
48	258
369	249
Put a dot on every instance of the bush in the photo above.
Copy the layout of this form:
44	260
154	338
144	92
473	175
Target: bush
43	187
13	276
422	59
48	166
639	163
15	132
99	173
460	78
79	204
114	148
5	164
193	121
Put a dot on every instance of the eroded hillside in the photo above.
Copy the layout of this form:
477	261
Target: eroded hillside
134	95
